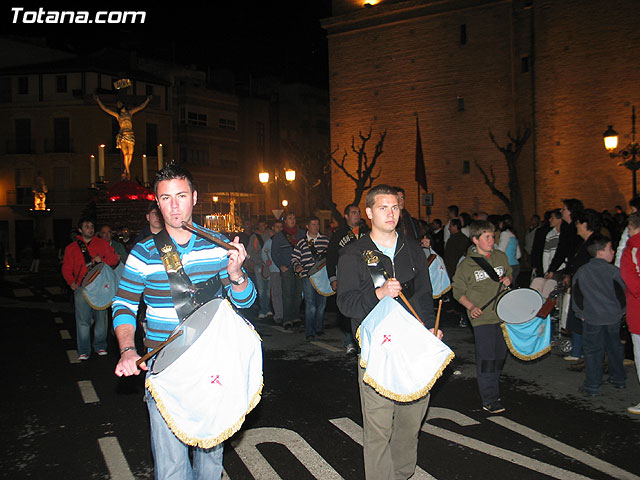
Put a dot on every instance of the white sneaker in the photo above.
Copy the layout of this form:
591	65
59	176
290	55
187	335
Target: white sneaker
635	409
261	316
351	349
571	358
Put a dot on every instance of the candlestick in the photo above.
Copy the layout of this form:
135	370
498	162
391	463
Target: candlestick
92	165
101	162
160	152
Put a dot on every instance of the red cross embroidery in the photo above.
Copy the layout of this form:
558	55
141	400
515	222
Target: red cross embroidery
216	379
387	338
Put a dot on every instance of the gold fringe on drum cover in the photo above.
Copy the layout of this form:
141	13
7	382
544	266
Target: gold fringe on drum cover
516	353
201	442
404	398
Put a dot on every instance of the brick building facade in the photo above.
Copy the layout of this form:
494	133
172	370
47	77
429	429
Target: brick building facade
562	68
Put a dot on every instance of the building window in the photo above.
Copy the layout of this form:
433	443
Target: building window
460	104
463	34
61	135
23	85
466	166
227	124
524	65
195	157
23	135
148	90
197	119
61	84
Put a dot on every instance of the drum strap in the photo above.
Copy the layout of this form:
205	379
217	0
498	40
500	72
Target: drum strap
186	296
85	253
482	262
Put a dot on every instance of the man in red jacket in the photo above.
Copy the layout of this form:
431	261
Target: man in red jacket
74	268
630	271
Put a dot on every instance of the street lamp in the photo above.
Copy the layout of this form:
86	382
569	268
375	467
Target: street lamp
629	153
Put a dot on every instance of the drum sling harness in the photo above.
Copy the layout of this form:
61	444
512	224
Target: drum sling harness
482	263
379	275
186	296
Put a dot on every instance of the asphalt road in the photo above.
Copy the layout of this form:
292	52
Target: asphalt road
63	419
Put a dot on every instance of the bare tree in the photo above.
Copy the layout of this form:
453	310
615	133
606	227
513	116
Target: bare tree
363	176
513	201
314	167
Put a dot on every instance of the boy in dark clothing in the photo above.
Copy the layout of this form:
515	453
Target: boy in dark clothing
474	284
599	299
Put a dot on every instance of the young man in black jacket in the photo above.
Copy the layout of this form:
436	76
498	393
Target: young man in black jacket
391	428
353	229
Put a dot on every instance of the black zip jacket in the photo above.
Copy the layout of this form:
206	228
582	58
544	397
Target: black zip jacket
356	292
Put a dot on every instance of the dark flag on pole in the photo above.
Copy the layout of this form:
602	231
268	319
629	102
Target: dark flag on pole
421	175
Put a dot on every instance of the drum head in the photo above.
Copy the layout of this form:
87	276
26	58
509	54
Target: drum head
519	306
192	327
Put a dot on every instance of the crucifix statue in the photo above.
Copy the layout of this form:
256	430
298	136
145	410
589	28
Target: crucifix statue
125	140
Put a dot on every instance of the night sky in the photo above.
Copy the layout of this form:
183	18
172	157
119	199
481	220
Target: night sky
281	37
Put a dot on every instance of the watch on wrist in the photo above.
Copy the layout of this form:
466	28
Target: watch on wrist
239	281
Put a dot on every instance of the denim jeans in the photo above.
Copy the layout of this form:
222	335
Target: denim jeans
597	339
171	456
291	296
84	313
276	296
263	286
314	305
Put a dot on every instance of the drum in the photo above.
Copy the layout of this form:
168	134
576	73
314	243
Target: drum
99	286
401	358
519	305
209	378
440	283
320	282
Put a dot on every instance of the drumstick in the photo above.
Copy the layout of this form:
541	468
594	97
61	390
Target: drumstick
406	302
208	236
157	349
435	328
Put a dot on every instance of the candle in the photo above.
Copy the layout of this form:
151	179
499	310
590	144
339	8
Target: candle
101	162
160	157
92	164
145	177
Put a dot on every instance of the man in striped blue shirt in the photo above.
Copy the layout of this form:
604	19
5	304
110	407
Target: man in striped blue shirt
309	249
146	276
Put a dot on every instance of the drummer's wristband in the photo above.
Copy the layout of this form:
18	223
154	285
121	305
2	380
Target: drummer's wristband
126	349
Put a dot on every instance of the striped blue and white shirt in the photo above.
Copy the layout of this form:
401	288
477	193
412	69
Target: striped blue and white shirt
145	275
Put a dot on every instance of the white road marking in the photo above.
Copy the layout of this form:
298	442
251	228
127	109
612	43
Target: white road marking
245	446
326	346
22	292
114	458
488	449
354	431
87	391
54	290
58	320
73	356
65	335
565	449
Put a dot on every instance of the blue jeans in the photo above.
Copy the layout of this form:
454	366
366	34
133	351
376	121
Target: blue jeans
84	312
314	305
171	456
264	293
597	339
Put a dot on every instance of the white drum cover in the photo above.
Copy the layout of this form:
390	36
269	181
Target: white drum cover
206	392
401	357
